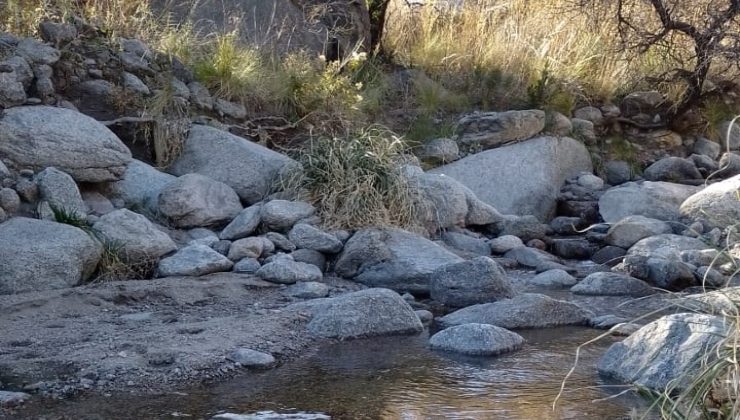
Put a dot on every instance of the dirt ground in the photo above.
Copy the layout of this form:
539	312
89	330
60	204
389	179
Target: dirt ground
144	336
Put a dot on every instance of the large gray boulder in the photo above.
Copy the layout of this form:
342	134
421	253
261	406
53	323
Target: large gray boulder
672	169
523	178
250	169
657	200
135	234
194	200
476	340
631	229
139	186
60	191
528	310
666	246
367	313
443	202
194	260
492	129
664	353
466	283
39	255
39	137
718	204
392	258
612	284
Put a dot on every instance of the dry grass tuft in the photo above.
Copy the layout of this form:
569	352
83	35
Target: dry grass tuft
355	181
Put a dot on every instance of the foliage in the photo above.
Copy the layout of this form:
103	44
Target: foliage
692	38
69	217
115	265
355	180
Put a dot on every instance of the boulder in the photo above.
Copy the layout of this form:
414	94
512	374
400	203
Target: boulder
476	340
531	257
504	244
672	169
38	255
612	284
466	283
194	260
250	169
243	224
308	237
12	92
631	229
492	129
523	178
574	249
194	200
392	258
140	186
39	137
617	172
665	353
247	266
718	205
253	247
463	244
706	147
135	234
60	191
657	200
666	246
367	313
286	271
281	215
443	202
554	279
528	310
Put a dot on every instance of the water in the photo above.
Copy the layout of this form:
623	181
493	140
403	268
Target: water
397	378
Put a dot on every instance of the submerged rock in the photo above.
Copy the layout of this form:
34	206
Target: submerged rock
476	340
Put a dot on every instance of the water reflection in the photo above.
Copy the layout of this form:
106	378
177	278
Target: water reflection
399	378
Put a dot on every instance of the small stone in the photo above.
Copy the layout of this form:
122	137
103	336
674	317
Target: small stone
504	244
554	279
247	266
252	358
281	242
308	237
288	272
253	247
425	316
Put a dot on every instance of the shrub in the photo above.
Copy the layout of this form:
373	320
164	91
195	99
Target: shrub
355	181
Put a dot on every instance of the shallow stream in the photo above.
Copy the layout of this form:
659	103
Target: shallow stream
397	378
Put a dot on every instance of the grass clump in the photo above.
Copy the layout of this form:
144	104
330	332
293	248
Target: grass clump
116	265
69	217
355	181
